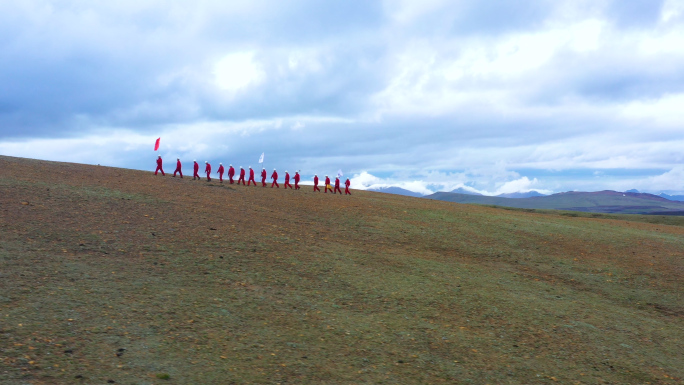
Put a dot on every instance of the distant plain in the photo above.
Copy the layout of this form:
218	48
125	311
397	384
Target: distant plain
609	202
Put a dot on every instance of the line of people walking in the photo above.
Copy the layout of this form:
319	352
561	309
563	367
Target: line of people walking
241	179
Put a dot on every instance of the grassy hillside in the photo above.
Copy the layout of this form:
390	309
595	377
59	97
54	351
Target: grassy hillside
117	275
600	202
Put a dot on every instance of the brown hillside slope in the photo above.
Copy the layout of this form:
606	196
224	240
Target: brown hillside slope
117	275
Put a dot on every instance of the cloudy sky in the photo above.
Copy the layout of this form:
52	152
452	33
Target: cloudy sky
494	96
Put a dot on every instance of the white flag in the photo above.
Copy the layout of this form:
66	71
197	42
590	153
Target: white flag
339	173
261	159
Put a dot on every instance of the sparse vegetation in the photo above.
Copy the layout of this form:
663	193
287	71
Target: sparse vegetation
252	285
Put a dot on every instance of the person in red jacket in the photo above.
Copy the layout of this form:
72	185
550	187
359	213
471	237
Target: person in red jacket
274	176
263	177
178	168
220	172
296	179
337	186
346	187
242	176
287	179
195	169
327	185
251	177
316	184
207	169
231	173
159	166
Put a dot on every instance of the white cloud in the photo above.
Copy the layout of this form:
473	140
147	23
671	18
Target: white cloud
435	77
406	11
667	111
366	180
119	147
91	149
238	70
672	180
436	94
307	60
671	10
658	43
523	184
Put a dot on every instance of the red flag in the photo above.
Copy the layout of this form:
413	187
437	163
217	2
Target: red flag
156	144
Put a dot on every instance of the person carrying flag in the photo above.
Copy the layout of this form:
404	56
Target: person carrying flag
263	177
159	166
337	186
207	169
346	187
242	176
327	185
231	173
296	179
316	184
251	177
178	168
274	176
195	169
220	172
287	180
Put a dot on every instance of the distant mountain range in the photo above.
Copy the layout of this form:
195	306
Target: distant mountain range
515	195
397	191
460	190
599	202
630	202
679	198
518	195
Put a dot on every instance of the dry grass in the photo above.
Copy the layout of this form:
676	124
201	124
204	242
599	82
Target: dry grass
112	274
